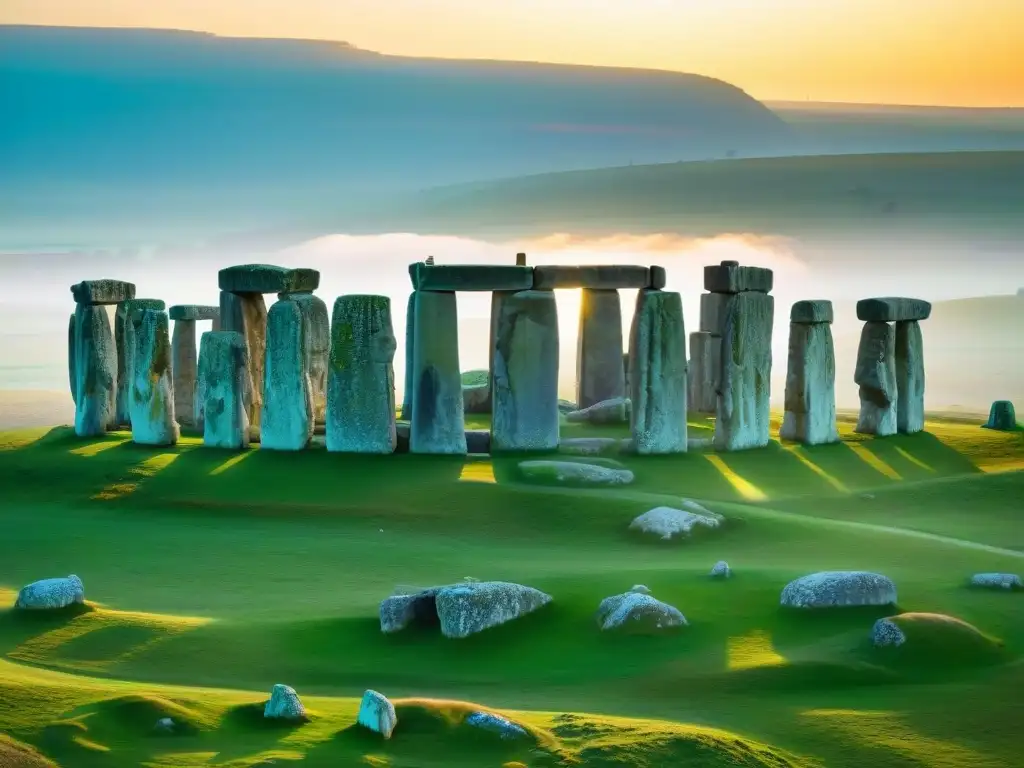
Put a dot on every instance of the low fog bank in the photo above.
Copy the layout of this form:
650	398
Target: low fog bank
974	351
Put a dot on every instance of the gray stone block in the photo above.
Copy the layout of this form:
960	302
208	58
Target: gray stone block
730	277
744	386
713	307
185	371
702	374
267	278
893	309
286	422
1002	416
152	398
316	328
196	312
127	319
223	381
909	351
875	374
410	337
599	372
811	311
470	277
246	313
438	421
596	277
658	277
96	371
104	291
810	416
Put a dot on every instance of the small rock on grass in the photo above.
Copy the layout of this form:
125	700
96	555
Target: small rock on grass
834	589
51	594
721	570
164	725
997	581
377	713
669	523
887	633
284	704
636	610
489	721
575	472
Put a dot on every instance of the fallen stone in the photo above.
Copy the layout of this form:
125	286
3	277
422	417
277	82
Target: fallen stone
223	380
658	278
599	373
703	371
361	381
488	721
638	612
1010	581
194	312
810	415
470	277
476	399
316	326
410	337
594	277
286	423
875	374
886	633
713	309
51	594
284	704
102	291
668	523
744	382
730	277
377	714
126	324
721	570
614	411
1002	416
574	473
657	348
589	446
438	421
267	278
893	310
96	371
909	354
469	608
832	589
478	441
247	315
152	394
812	311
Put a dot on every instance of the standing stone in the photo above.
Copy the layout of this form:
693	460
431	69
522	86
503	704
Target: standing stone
152	396
599	373
184	368
72	348
95	371
702	376
876	376
223	380
246	314
287	419
810	416
127	320
525	370
744	385
657	351
438	420
1001	416
410	335
316	324
909	352
361	380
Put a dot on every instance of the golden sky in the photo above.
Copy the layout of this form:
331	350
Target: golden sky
951	52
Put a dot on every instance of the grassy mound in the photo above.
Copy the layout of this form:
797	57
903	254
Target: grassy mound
139	714
14	754
475	378
937	640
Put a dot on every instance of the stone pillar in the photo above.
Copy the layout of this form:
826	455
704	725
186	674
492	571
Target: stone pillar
410	334
876	376
657	354
498	299
909	353
599	372
524	351
361	380
224	378
246	314
184	368
438	421
810	416
742	418
286	421
127	321
151	398
317	333
72	349
702	375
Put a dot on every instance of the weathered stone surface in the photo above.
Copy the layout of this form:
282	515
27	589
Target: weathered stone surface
223	381
503	727
104	291
657	349
96	371
51	594
832	589
377	714
599	373
638	612
1010	581
702	372
744	385
713	308
316	328
185	371
470	277
438	421
909	352
812	311
875	374
284	704
195	312
658	278
893	309
476	398
466	609
810	416
478	441
361	380
730	277
126	325
886	633
247	314
614	411
721	570
152	396
410	338
266	278
72	351
526	374
594	277
668	523
589	446
574	473
1002	416
286	423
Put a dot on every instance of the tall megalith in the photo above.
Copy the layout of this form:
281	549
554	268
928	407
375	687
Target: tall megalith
152	397
599	372
361	378
185	358
286	421
810	416
702	374
410	338
127	318
909	377
223	380
72	351
316	323
524	351
875	374
658	367
438	419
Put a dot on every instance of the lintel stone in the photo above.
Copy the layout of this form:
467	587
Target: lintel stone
730	277
658	277
893	309
267	278
104	291
811	312
595	277
193	312
470	277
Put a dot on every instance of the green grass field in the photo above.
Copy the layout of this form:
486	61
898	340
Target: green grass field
212	576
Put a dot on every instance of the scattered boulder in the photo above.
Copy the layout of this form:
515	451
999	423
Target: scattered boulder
997	581
572	472
887	633
669	523
637	611
589	446
377	714
51	594
504	727
721	570
613	411
284	704
833	589
164	725
1002	416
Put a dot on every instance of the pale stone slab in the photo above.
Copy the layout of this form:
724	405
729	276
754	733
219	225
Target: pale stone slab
910	377
599	373
668	523
876	376
51	594
195	312
105	291
812	311
834	589
361	380
247	314
713	307
185	371
470	277
126	324
287	419
594	277
702	375
658	394
72	351
744	385
526	373
316	325
152	396
223	381
96	371
810	416
410	338
893	309
730	277
438	421
377	714
466	609
266	278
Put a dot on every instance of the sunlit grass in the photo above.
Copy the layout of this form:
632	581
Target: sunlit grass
753	650
868	457
746	489
234	461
